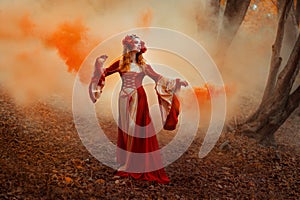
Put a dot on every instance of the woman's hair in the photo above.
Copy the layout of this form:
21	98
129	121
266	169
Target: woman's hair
128	43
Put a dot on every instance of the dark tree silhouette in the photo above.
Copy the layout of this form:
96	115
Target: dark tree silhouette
297	12
234	14
279	100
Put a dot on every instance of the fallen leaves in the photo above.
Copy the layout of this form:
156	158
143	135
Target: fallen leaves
68	179
100	181
41	156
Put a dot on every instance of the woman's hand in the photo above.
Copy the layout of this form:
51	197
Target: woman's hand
102	59
97	93
183	83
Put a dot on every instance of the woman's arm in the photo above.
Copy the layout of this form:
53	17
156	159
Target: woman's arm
151	73
112	68
156	77
98	79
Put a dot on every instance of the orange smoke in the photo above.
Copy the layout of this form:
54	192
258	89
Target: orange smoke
35	49
70	39
26	25
145	18
72	43
204	93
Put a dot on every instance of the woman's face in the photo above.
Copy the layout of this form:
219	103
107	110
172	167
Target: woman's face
136	46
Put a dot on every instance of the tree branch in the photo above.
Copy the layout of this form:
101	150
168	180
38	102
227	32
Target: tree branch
234	14
275	62
276	48
297	12
288	75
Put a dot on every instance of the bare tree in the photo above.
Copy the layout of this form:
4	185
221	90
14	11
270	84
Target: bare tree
234	14
290	31
286	37
279	101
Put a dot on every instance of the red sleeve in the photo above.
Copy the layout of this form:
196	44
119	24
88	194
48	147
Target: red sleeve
151	73
108	71
99	76
98	71
112	68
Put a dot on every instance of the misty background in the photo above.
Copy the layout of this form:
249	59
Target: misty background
43	43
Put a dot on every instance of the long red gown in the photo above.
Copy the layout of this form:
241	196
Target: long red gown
136	132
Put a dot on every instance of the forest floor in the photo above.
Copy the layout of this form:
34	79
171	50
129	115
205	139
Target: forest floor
42	157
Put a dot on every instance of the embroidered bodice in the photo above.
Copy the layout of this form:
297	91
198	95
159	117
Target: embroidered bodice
132	79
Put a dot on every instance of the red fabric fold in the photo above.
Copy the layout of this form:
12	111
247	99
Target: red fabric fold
172	118
141	145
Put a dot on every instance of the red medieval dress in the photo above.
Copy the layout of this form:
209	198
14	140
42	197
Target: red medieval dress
136	132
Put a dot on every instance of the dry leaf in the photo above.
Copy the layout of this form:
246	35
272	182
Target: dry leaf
100	181
68	179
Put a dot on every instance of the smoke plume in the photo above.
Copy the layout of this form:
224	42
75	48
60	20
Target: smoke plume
43	43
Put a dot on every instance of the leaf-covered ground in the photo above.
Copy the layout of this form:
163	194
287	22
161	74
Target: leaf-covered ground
42	157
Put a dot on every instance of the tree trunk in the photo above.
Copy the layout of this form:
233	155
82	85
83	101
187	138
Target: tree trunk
291	29
297	12
276	59
234	14
273	120
278	103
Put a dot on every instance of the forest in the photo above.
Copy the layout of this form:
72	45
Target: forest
255	46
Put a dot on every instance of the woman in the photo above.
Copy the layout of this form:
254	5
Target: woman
136	133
